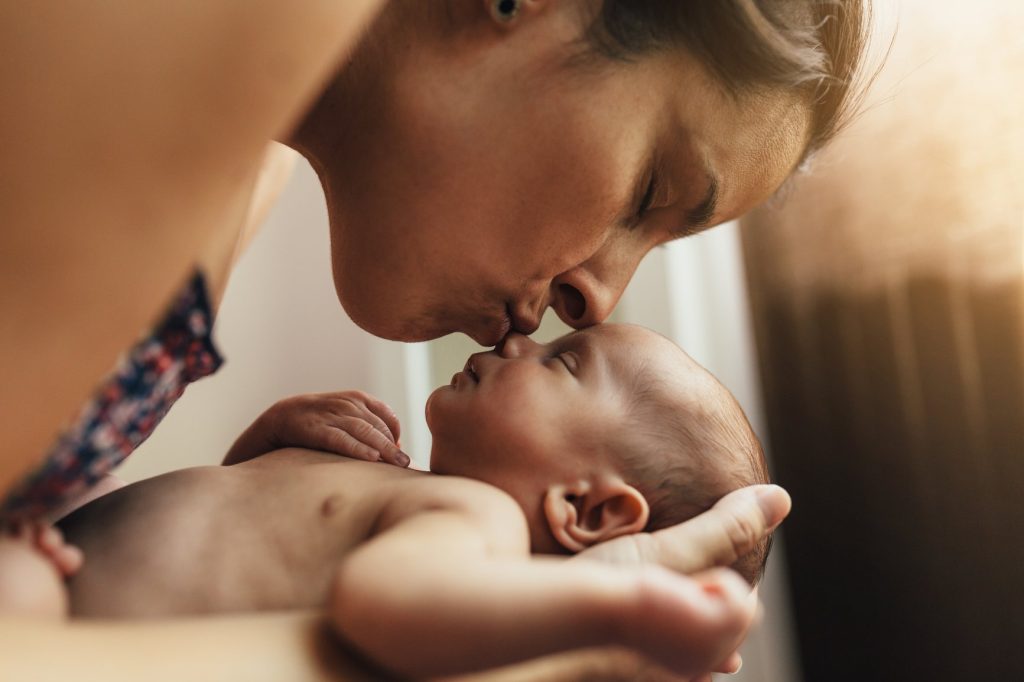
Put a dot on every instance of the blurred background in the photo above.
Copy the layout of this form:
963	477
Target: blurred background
870	320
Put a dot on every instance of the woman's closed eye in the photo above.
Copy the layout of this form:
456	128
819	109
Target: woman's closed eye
646	201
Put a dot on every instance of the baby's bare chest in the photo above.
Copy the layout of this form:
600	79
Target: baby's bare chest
265	535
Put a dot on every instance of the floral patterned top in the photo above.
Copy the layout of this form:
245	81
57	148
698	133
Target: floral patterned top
126	407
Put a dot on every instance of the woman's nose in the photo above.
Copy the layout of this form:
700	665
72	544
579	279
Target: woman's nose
582	299
515	345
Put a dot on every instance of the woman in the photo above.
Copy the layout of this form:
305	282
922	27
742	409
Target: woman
482	160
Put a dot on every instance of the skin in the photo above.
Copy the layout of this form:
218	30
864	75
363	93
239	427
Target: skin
513	204
310	510
147	178
506	413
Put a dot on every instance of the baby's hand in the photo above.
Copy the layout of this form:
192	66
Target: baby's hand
691	624
34	561
349	423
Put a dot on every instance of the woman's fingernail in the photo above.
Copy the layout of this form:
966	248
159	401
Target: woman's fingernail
774	503
403	459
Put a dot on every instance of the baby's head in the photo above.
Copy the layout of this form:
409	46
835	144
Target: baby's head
602	432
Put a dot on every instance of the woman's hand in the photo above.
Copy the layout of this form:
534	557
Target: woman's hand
349	423
718	537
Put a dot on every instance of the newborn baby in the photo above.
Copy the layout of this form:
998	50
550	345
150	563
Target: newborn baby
544	449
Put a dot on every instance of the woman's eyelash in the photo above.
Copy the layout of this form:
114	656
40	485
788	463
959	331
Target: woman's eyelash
648	198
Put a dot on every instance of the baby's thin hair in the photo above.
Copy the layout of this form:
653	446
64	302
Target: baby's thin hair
684	461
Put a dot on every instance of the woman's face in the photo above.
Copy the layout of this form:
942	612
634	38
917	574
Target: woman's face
476	174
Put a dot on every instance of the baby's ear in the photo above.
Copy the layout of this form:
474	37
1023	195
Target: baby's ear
590	512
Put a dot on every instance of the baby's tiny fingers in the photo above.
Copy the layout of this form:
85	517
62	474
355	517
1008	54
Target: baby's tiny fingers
377	423
394	455
355	406
68	559
383	411
339	440
367	434
727	584
49	539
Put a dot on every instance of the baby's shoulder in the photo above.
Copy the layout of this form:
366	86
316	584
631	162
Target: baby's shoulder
482	503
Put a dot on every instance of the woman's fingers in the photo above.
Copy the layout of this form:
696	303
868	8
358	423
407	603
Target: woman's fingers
723	534
718	537
730	665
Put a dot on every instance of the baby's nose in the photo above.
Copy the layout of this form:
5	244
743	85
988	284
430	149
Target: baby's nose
515	345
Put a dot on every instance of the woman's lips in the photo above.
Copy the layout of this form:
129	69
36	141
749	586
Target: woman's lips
495	330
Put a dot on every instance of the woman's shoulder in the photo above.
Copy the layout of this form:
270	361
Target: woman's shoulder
128	144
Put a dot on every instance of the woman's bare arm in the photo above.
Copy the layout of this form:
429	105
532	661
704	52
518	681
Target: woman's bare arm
131	132
252	647
281	646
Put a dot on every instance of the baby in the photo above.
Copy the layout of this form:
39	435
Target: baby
537	449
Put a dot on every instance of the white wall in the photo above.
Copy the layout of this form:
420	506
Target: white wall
282	332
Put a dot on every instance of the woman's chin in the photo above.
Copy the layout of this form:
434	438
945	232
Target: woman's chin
390	328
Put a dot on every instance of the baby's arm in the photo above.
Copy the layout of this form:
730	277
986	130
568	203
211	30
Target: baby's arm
349	423
455	590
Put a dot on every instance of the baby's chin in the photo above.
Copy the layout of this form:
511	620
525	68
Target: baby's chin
431	411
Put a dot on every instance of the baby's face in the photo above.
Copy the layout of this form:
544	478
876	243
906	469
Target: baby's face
526	414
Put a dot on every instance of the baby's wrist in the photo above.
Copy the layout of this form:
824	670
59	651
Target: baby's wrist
613	606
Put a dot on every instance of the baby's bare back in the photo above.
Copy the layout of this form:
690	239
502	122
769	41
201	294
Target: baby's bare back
261	535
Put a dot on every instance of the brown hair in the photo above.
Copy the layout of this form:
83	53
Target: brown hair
683	459
814	48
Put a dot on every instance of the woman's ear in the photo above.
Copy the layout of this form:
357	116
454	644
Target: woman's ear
588	513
